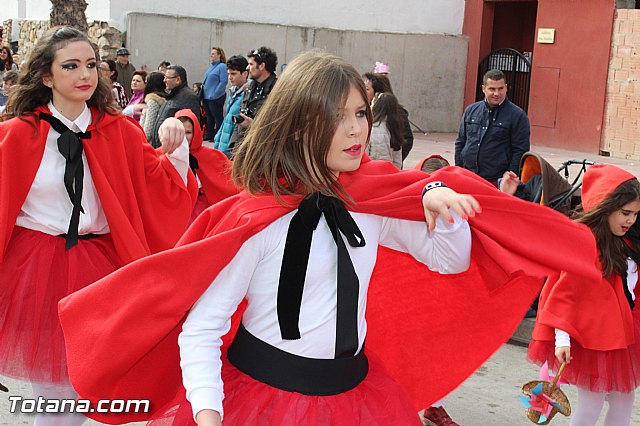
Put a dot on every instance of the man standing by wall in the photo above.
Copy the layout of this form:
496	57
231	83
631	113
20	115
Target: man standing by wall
494	133
180	97
262	68
125	70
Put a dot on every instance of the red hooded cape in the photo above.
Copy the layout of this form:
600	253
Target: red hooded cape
431	331
214	168
133	182
594	312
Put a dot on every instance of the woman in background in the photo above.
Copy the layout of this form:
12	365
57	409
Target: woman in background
108	69
386	138
154	97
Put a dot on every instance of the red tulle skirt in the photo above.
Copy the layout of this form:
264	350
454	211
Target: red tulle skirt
36	273
598	371
377	400
201	205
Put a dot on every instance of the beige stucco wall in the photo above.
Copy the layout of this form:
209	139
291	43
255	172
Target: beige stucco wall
427	70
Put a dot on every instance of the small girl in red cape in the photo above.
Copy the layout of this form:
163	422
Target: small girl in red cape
81	194
211	167
319	236
593	325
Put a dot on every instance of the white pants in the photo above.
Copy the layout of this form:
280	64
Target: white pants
51	391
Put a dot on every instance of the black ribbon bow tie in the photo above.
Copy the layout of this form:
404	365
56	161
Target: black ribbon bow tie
70	147
294	269
193	163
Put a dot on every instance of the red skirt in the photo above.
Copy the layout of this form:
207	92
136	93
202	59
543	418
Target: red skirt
377	400
201	205
36	273
598	371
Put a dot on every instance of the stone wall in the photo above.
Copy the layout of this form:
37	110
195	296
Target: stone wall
107	38
621	133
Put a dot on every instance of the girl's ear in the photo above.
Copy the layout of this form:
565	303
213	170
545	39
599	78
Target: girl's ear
47	80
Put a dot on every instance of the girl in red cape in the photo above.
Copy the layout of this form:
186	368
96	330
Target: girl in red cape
211	167
320	236
81	194
592	325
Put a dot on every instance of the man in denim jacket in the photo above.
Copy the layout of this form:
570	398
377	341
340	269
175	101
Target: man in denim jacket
494	133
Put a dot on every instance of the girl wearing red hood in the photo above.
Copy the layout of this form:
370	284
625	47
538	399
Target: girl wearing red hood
81	194
211	167
594	325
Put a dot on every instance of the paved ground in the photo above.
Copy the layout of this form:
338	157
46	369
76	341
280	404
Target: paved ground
443	144
489	397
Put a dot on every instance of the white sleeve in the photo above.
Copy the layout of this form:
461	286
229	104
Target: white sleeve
128	111
207	322
180	159
562	338
446	249
632	277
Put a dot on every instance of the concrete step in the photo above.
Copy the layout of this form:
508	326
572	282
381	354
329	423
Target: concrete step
522	334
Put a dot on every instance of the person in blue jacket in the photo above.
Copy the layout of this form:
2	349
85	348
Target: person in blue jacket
494	133
213	86
238	75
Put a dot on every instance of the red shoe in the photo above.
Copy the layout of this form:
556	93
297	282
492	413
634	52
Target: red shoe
437	416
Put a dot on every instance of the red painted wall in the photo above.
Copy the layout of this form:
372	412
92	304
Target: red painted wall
514	26
570	75
478	27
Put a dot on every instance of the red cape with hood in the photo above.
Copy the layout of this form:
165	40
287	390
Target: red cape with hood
214	168
594	312
431	331
144	198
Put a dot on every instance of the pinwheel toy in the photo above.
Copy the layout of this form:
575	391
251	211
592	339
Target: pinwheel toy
543	398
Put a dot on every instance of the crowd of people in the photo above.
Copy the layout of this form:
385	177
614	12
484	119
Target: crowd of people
237	283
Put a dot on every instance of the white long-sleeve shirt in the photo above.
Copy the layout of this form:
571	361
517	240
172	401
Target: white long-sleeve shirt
254	273
564	339
47	207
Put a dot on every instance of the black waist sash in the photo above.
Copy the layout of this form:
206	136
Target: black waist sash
294	373
84	236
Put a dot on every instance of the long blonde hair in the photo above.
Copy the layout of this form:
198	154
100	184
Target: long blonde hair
286	148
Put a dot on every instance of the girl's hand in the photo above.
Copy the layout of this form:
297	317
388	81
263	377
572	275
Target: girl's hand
208	418
171	134
509	182
563	353
439	200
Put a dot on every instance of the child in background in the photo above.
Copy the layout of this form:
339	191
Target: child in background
227	135
435	415
89	195
211	167
432	163
301	244
593	325
386	140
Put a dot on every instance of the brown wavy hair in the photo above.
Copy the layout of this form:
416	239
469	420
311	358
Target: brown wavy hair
386	110
286	147
30	92
613	249
223	57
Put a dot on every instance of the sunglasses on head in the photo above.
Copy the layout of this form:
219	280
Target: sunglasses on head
257	55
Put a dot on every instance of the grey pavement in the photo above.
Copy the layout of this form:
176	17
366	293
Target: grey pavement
490	395
443	144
